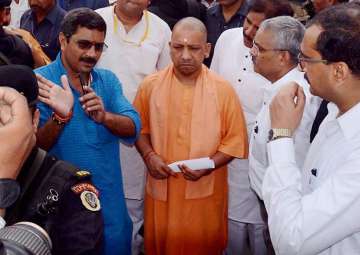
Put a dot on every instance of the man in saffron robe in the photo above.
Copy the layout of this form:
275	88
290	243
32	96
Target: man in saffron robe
188	112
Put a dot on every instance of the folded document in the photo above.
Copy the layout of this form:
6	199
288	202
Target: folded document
194	164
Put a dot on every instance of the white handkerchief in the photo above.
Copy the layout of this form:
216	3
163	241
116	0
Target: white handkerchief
193	164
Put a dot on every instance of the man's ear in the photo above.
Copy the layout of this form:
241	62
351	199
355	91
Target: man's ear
340	71
36	119
207	50
285	57
63	40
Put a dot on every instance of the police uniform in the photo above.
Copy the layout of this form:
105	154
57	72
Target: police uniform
62	200
54	194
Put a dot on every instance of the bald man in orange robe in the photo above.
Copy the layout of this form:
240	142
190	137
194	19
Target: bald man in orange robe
188	112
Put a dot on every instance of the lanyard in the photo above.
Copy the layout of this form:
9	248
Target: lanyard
146	32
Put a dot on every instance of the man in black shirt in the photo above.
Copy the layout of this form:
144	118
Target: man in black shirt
12	48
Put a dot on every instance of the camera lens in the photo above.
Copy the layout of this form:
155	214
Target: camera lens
25	238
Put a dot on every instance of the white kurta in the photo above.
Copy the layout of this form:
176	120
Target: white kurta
232	60
17	10
316	210
257	152
132	56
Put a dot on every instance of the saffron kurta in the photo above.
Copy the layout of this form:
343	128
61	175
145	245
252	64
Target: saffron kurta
184	122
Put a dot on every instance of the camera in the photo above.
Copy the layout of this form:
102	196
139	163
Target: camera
24	238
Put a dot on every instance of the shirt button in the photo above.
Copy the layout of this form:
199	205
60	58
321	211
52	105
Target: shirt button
244	69
239	80
246	56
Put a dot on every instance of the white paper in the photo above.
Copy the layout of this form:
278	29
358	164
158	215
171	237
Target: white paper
193	164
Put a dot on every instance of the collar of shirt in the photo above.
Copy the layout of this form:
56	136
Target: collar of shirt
293	75
207	5
347	122
216	11
137	33
52	16
62	71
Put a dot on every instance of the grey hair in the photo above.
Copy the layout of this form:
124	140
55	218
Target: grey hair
288	34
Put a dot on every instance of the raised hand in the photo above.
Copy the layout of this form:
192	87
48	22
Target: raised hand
60	99
17	134
287	107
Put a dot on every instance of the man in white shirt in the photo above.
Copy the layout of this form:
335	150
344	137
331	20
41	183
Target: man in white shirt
315	210
18	7
232	60
138	46
275	49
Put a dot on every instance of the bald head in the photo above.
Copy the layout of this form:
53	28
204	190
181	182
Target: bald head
191	24
188	46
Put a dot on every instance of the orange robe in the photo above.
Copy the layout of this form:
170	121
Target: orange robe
185	122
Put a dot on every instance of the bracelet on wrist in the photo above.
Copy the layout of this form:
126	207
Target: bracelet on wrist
61	120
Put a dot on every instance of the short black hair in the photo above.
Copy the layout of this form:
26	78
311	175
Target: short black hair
272	8
340	38
82	17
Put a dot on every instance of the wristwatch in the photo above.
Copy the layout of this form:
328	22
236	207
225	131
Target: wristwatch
9	192
276	133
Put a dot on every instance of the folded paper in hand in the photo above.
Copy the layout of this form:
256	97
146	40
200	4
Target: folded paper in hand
193	164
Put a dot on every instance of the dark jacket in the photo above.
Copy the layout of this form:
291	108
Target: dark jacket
62	200
15	50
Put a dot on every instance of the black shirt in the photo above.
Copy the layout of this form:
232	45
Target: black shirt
216	24
15	50
47	31
72	227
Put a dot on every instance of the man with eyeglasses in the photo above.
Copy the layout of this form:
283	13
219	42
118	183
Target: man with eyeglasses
138	46
232	60
314	209
84	114
274	53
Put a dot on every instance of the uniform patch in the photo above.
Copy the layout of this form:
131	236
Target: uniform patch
90	201
82	173
79	188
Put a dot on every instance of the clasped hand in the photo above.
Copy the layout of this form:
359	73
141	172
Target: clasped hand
160	170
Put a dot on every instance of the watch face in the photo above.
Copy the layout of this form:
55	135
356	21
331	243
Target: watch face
271	134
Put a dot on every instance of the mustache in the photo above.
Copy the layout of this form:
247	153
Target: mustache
35	6
89	60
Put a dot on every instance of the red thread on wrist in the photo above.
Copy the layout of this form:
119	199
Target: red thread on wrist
62	120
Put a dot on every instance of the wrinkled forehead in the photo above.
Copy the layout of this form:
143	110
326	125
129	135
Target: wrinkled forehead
188	36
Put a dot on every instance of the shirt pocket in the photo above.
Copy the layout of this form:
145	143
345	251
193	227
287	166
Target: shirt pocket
147	59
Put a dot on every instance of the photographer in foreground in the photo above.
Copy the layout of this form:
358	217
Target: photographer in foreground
48	192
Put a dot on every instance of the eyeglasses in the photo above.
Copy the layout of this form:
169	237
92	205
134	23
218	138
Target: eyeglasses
256	49
87	45
302	60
